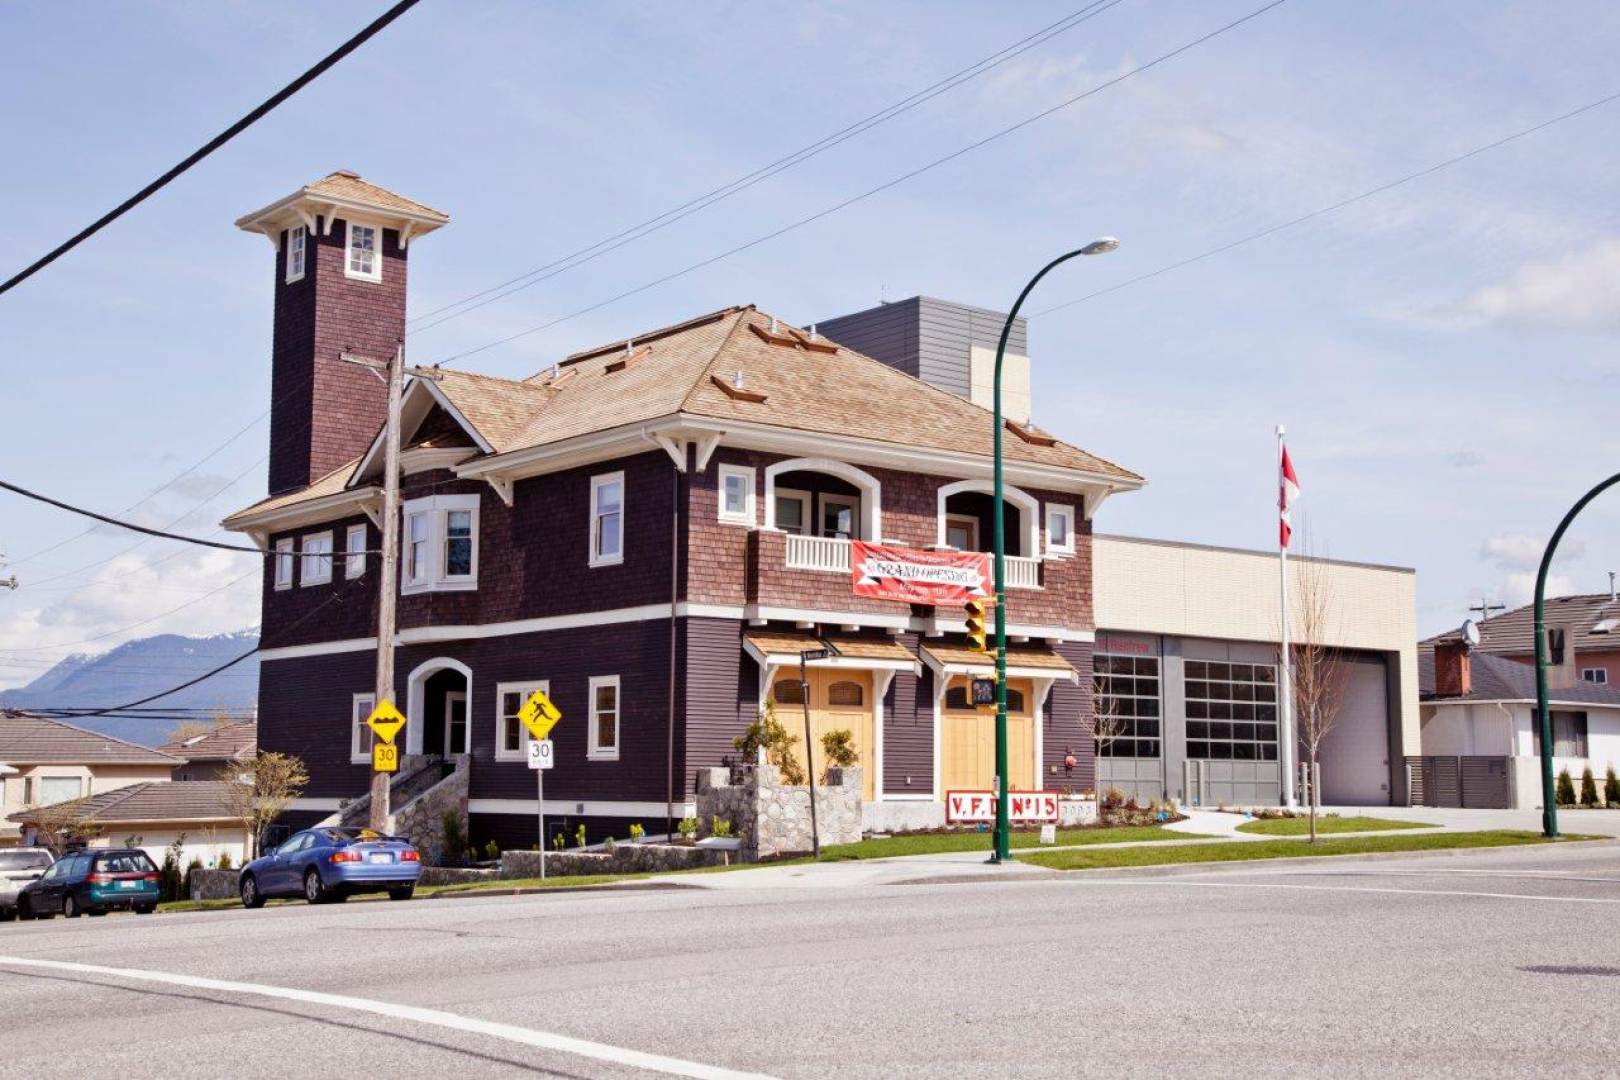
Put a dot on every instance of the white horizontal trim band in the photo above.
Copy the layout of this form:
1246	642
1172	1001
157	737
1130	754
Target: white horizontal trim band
571	808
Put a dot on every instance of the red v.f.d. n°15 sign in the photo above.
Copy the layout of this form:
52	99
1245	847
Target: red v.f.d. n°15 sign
913	576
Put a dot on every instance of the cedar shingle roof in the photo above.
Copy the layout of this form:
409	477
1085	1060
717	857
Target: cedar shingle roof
26	739
1018	656
344	184
780	642
690	368
1514	632
151	801
226	742
1496	678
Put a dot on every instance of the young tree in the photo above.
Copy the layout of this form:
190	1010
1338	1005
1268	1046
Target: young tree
1108	724
64	825
1316	681
271	781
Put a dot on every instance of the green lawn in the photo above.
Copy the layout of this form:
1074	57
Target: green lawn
1240	851
1298	826
935	843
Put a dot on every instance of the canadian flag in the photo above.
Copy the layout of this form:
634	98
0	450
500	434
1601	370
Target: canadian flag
1288	491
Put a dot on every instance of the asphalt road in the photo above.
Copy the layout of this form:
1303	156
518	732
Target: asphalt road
1502	963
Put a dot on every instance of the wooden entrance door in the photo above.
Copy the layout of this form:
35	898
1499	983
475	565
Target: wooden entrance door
967	756
839	700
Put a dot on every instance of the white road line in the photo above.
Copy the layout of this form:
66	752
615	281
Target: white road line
1351	888
544	1040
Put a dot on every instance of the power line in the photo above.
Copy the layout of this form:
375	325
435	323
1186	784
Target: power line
1340	205
742	183
212	144
835	208
37	497
131	626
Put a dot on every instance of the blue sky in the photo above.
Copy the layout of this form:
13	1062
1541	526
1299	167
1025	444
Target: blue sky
1442	354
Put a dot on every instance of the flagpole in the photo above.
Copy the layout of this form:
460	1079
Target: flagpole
1285	679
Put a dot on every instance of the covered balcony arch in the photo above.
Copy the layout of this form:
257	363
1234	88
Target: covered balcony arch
965	519
438	708
842	487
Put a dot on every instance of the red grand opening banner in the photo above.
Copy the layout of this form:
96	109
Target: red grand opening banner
918	577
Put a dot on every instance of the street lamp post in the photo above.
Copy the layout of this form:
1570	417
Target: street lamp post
1543	718
1003	835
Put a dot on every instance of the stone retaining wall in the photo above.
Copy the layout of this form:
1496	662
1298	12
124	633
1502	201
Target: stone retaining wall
626	858
213	884
773	818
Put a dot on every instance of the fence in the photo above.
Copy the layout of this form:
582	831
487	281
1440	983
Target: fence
1474	782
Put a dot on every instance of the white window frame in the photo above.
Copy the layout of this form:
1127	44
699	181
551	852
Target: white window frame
375	274
360	707
522	688
597	483
315	569
285	557
1602	674
297	242
745	516
594	751
852	502
968	520
1066	512
354	552
41	780
429	575
806	509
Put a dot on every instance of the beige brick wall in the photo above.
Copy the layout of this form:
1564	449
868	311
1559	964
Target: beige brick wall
1187	590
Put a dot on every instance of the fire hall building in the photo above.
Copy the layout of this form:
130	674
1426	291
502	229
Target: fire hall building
651	532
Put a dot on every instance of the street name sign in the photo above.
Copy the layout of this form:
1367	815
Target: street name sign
542	754
385	721
539	715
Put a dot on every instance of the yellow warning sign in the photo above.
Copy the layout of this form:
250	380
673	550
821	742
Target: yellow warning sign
386	721
384	757
539	715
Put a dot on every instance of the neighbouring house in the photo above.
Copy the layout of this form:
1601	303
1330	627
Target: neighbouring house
1481	744
1583	637
54	762
194	815
651	531
215	754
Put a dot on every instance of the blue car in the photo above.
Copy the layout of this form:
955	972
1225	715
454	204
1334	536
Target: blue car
331	864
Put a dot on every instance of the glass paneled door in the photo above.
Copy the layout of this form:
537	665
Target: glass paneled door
455	722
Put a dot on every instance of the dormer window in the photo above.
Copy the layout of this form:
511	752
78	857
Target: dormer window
297	239
441	544
361	257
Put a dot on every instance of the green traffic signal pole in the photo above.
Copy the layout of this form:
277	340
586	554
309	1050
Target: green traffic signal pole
1003	832
1549	800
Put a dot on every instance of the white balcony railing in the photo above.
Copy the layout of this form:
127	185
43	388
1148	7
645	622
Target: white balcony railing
817	553
1022	573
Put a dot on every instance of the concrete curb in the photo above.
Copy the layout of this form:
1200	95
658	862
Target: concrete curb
537	890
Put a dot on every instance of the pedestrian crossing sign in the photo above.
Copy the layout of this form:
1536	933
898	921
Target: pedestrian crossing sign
539	715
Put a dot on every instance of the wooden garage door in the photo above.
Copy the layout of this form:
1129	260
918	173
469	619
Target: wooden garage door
839	700
967	756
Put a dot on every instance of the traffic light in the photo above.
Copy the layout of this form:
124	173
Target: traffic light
976	608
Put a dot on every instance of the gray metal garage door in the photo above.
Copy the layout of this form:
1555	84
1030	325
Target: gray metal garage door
1355	753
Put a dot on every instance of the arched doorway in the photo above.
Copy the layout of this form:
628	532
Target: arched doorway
438	708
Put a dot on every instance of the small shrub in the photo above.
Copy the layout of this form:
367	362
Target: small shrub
558	842
637	832
1564	793
720	826
455	838
1611	788
838	749
767	733
492	851
610	845
224	861
687	828
1588	788
579	834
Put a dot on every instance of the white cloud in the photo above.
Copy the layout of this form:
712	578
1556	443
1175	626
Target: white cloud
1520	551
1580	291
1520	589
133	596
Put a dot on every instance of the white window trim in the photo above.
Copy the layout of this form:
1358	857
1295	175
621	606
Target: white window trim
348	247
1587	673
437	508
522	688
1065	511
303	254
806	507
970	521
747	515
316	569
593	752
598	482
359	755
853	502
285	559
354	552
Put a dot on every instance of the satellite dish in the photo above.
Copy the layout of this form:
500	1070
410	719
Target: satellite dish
1470	633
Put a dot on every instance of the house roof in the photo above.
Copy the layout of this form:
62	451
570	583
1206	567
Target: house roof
347	185
788	380
26	739
224	742
1496	678
150	801
336	194
783	643
1514	631
1018	656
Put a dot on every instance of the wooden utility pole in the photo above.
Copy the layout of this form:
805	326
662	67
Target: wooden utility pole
388	579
